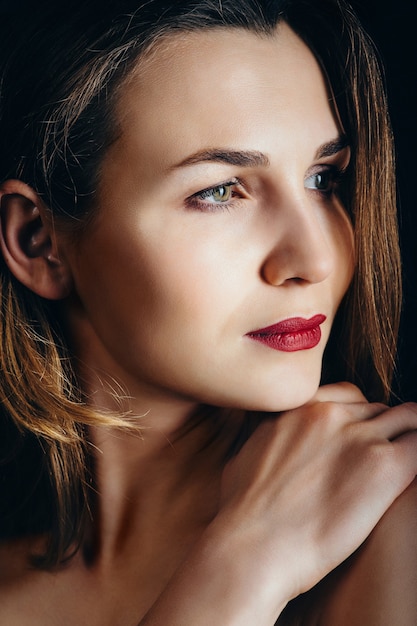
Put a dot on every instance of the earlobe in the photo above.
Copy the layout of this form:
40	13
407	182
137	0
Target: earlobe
28	242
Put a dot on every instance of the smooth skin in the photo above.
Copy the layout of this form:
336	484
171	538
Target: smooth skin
377	586
185	257
189	276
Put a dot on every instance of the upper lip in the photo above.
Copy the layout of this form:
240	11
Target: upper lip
291	325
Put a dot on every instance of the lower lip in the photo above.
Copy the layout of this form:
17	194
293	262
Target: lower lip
291	341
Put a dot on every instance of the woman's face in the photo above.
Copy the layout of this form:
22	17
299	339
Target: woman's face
218	216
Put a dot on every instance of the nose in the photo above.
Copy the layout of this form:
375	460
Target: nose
303	250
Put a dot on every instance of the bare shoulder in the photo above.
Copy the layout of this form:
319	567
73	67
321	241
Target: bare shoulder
29	596
12	581
13	564
377	587
16	587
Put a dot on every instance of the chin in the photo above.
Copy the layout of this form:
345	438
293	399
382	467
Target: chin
275	403
285	397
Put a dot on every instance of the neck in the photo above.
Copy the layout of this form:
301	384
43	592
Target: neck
162	478
159	476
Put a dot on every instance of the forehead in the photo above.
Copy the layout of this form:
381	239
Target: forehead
224	82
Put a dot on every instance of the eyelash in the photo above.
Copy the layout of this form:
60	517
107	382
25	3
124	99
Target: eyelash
198	200
336	176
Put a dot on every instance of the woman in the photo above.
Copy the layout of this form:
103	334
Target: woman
190	195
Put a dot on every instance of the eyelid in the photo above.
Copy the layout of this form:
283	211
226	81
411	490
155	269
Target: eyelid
322	167
227	183
340	160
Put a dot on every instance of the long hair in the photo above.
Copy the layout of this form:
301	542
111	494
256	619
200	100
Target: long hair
62	69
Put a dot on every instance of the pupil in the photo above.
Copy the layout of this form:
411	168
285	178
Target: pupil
321	181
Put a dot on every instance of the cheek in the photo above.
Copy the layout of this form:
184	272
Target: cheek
188	288
143	292
344	245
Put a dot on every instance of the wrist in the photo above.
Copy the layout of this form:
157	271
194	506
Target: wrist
220	583
238	562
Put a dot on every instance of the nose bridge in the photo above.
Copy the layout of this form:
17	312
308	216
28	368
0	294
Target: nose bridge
302	248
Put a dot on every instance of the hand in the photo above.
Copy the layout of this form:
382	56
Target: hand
310	485
302	494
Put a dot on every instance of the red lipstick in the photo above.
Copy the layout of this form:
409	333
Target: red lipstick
290	335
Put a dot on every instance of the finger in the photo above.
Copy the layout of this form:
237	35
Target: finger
365	411
396	421
339	392
406	447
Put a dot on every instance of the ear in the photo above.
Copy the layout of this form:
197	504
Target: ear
28	242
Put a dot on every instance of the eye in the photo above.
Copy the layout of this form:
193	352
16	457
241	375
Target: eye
222	196
325	181
320	181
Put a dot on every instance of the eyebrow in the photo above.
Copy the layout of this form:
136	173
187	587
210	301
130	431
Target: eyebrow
253	158
332	147
242	158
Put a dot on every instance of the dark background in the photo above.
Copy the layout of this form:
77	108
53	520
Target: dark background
393	27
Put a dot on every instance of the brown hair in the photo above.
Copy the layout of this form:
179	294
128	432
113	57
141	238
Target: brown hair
62	70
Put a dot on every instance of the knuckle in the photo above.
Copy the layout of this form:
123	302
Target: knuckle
350	387
343	391
328	414
380	407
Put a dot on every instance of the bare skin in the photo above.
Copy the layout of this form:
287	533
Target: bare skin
182	535
376	586
182	556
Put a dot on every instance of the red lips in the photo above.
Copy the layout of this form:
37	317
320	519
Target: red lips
291	335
